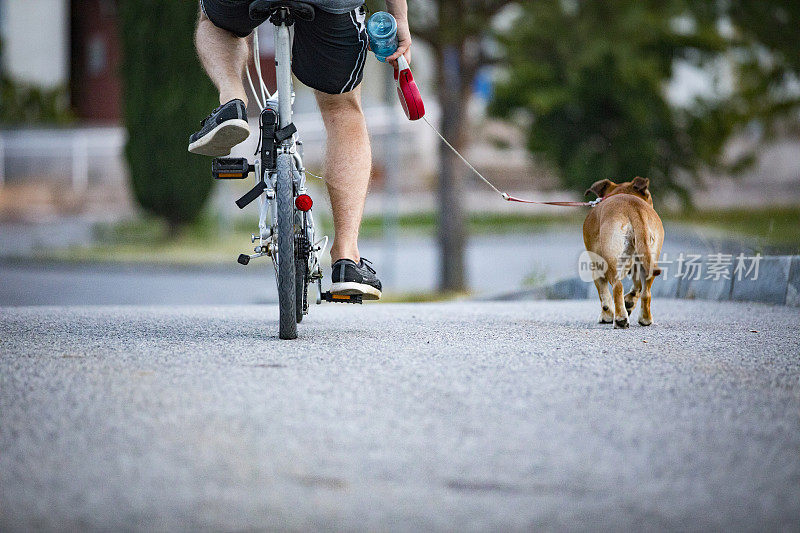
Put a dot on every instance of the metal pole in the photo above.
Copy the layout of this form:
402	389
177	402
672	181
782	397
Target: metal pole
80	162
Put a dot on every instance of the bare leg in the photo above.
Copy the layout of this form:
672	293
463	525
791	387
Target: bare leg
347	167
606	315
224	58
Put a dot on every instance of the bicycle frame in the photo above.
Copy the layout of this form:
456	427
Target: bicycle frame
304	220
285	221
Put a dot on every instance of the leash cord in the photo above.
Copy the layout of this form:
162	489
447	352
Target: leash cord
314	175
505	196
487	182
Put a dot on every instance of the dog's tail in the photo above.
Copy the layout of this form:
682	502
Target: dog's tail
645	247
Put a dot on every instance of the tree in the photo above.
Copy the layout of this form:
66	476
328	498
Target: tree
165	93
455	30
589	79
765	42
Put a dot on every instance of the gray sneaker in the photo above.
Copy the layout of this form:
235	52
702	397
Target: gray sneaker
220	131
349	277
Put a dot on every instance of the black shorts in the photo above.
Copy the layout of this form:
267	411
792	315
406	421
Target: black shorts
328	53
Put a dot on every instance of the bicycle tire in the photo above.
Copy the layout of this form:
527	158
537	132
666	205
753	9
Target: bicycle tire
287	328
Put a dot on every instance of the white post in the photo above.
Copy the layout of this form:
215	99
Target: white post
80	162
2	162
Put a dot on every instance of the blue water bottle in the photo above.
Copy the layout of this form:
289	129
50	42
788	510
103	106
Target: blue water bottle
382	31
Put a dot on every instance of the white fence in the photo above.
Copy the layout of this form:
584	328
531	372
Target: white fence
81	156
85	157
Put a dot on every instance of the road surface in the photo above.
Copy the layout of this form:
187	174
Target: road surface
452	416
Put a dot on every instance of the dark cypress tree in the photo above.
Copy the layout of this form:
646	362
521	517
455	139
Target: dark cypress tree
166	93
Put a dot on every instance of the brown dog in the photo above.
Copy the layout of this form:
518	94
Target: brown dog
625	231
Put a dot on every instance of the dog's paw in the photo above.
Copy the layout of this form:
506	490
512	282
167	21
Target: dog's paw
621	323
645	321
606	316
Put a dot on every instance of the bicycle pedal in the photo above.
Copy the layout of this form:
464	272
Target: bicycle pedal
342	298
244	259
230	168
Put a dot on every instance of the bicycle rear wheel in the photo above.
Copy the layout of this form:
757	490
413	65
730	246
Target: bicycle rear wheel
286	261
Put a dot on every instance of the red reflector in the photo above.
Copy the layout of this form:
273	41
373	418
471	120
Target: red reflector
303	202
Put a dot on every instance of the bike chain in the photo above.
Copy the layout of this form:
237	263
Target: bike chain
302	249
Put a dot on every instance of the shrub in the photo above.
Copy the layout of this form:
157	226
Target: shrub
165	94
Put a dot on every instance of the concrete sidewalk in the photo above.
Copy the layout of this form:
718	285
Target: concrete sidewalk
459	416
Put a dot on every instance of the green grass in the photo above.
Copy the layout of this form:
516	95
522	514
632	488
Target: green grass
771	230
478	224
775	229
422	297
147	240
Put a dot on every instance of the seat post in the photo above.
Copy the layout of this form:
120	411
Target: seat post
283	68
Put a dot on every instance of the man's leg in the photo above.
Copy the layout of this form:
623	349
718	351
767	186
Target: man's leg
224	58
347	167
328	56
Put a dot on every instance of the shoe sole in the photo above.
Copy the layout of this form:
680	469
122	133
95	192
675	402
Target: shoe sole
219	141
350	288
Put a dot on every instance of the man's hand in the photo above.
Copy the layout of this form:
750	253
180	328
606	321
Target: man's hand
403	43
399	10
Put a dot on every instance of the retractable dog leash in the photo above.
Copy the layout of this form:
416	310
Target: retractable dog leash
382	31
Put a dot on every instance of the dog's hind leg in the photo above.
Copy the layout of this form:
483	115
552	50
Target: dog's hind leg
636	288
620	313
645	317
606	315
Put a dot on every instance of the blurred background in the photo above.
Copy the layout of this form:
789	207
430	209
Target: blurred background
101	203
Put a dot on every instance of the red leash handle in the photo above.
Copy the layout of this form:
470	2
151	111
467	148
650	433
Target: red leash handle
407	90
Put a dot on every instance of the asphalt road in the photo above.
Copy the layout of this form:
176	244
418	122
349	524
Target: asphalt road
456	416
35	283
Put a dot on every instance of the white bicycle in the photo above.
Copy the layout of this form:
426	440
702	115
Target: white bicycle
285	223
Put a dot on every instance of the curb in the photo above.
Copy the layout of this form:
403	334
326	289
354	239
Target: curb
778	283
